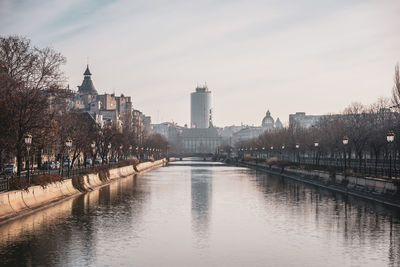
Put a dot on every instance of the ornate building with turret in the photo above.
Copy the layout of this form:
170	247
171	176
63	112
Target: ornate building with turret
108	108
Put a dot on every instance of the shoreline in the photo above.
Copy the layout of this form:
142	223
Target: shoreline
19	203
314	178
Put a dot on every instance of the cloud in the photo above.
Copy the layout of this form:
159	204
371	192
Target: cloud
288	56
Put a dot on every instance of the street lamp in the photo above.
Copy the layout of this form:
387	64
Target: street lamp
108	152
298	155
120	149
345	142
316	145
68	144
282	154
28	142
390	139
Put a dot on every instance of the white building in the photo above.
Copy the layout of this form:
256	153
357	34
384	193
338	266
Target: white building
267	124
200	105
197	140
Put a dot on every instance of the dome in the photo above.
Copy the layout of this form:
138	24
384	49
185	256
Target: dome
268	121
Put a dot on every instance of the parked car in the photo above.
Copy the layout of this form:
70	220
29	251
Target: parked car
56	164
98	161
10	169
48	165
88	161
67	163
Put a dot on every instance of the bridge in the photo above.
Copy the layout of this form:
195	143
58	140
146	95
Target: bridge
191	155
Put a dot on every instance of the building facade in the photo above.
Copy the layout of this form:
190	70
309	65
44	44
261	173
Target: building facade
200	107
245	133
301	120
109	109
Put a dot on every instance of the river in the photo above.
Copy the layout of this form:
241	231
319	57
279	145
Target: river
195	213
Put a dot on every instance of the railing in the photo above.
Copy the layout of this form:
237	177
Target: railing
368	167
63	172
4	183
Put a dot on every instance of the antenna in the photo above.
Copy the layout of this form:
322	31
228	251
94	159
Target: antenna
87	60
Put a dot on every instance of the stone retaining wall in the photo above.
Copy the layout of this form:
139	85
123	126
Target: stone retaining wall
18	202
381	190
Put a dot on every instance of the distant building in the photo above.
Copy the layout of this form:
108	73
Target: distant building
300	119
200	140
278	124
268	122
172	132
200	106
202	137
87	87
142	127
109	108
248	132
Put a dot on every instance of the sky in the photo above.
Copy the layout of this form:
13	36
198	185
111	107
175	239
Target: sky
286	56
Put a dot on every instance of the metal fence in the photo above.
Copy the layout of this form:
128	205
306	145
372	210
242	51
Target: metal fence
64	172
368	167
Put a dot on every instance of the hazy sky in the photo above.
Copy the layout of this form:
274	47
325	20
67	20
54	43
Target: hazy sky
315	56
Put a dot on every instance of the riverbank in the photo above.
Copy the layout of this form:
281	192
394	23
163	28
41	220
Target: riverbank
18	203
375	189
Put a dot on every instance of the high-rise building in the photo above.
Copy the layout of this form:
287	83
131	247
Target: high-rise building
201	111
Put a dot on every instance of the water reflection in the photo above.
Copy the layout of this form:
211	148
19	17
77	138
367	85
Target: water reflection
55	235
362	223
193	215
201	199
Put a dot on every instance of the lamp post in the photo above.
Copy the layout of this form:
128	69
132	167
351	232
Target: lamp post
109	154
272	150
282	154
316	145
390	139
28	142
345	142
297	152
120	152
93	146
68	144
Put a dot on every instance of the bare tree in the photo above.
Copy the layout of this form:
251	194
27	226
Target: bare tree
29	76
396	87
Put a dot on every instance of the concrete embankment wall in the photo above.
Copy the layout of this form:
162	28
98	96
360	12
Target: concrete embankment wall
381	190
19	202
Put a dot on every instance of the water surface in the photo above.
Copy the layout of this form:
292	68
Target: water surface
205	214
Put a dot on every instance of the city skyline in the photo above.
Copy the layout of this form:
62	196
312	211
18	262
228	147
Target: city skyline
313	57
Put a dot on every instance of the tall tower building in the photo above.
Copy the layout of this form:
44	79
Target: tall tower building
200	105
